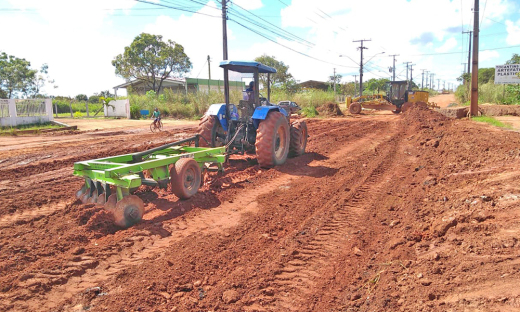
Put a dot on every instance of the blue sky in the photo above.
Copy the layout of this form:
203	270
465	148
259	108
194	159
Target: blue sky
78	39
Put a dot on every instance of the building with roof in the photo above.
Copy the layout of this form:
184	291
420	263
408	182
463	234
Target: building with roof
313	84
185	85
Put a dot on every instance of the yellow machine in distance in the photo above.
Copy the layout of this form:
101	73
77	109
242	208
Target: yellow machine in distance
397	99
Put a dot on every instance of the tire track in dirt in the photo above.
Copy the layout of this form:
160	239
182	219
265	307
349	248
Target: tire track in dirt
299	276
84	271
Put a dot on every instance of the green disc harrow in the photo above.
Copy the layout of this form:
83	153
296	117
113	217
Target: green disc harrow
110	181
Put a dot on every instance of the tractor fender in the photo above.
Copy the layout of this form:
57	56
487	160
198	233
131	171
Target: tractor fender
219	110
261	113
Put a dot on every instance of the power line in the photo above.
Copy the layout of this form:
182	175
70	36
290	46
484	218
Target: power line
301	53
175	8
483	13
480	50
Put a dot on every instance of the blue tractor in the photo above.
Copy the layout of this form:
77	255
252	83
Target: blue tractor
254	125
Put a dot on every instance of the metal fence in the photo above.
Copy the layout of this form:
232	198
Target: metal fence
30	108
4	108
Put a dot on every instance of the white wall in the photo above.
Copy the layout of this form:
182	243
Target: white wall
119	108
14	120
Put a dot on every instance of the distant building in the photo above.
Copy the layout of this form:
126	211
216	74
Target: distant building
313	84
180	85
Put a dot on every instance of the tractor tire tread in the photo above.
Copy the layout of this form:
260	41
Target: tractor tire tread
264	144
298	138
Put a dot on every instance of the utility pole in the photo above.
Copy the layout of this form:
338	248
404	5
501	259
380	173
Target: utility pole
407	64
361	65
393	68
444	87
411	77
438	83
432	82
474	73
209	68
334	80
422	82
224	41
427	72
469	49
355	83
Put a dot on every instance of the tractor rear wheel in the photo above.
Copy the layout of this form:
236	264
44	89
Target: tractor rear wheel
355	108
185	178
298	138
272	140
211	130
128	211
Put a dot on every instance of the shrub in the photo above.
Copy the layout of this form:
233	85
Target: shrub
135	112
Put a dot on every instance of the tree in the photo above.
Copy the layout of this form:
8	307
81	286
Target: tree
349	88
371	85
81	98
93	99
39	81
465	77
515	59
16	75
486	75
151	60
377	84
282	76
381	84
333	79
105	94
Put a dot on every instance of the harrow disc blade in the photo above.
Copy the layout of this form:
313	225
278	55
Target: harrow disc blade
101	199
129	211
110	205
81	191
84	198
93	198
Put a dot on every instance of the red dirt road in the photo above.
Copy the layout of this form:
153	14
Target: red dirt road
410	212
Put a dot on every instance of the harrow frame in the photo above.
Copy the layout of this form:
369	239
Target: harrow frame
126	172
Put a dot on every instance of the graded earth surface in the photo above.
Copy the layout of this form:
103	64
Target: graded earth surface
409	212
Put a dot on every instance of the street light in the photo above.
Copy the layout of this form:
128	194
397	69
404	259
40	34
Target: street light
374	56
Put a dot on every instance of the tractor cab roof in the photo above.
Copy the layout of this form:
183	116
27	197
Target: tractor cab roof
247	67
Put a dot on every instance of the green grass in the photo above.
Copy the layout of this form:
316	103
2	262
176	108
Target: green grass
491	121
41	126
490	93
194	105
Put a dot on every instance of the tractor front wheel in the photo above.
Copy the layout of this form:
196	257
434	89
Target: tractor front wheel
272	140
185	178
298	138
355	108
211	130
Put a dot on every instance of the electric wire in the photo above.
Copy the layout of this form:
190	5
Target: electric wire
274	41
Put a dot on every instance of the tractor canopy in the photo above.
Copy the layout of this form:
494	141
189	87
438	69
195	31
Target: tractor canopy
247	67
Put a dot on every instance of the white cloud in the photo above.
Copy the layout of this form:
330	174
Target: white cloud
79	39
447	46
199	35
487	55
72	37
513	32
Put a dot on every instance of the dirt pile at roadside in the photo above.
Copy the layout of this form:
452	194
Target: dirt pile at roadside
330	109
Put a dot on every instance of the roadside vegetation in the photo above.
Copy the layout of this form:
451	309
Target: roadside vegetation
491	121
488	91
29	127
